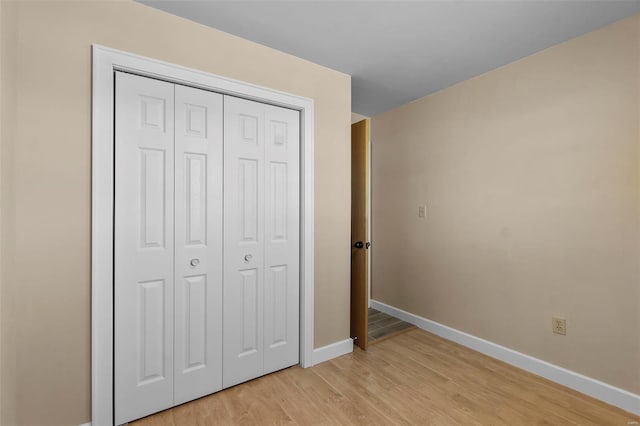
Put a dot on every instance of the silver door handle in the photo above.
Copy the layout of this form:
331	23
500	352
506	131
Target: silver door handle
194	262
247	258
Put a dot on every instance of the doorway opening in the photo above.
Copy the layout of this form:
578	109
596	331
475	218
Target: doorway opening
368	325
360	244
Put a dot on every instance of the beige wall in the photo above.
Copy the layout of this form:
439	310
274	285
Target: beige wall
530	176
2	73
7	234
50	120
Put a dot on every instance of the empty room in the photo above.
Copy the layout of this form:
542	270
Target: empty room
319	212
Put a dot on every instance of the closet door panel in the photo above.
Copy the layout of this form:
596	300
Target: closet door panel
198	243
143	241
206	277
282	238
243	333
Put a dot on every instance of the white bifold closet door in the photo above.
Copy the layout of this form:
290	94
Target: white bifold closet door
198	243
198	308
168	245
261	239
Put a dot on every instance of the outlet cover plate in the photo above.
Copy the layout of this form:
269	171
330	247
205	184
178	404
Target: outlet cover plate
559	325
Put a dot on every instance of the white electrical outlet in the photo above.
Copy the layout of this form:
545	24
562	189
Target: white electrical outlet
559	326
422	211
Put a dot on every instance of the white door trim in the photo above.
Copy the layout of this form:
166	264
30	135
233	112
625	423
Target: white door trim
105	62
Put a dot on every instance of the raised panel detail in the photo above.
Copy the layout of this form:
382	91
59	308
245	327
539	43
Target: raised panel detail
152	198
279	208
152	113
249	128
196	120
196	203
195	289
248	185
279	308
151	331
279	133
249	282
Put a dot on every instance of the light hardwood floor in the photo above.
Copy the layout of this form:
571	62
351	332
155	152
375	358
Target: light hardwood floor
412	378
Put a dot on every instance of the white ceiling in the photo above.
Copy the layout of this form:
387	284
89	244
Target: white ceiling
398	51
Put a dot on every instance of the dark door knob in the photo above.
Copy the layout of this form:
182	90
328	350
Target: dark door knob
359	244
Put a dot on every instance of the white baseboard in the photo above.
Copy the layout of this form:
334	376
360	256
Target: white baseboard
86	424
331	351
594	388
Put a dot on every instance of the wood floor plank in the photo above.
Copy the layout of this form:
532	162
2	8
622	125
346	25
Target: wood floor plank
412	378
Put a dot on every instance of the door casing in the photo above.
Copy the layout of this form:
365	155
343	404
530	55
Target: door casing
105	62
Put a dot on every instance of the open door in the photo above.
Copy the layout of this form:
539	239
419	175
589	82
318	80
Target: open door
359	232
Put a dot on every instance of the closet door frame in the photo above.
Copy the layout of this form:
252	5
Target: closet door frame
105	62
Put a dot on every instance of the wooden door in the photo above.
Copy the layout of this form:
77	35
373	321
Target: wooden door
359	232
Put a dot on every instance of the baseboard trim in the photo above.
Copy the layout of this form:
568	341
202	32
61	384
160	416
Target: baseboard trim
334	350
594	388
86	424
